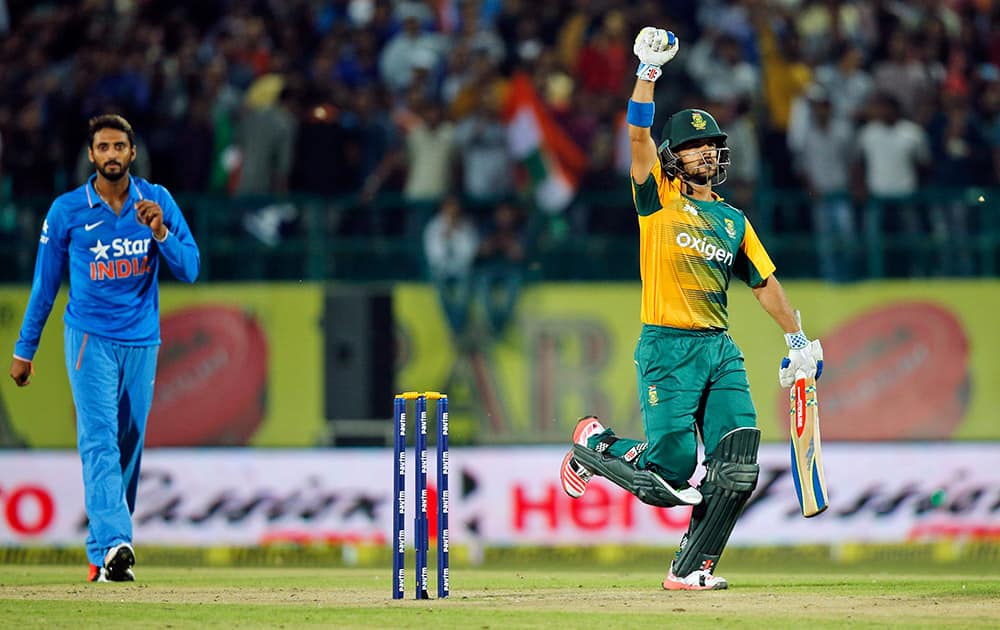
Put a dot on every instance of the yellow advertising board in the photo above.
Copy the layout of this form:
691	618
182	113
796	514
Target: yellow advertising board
905	360
243	364
240	365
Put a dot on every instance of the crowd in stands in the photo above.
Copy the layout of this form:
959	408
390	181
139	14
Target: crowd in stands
852	101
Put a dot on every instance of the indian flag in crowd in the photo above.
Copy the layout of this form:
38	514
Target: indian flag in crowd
552	159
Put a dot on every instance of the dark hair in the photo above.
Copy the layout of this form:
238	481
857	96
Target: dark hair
890	101
109	121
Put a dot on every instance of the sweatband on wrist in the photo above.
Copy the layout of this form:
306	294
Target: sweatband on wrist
796	340
648	72
640	114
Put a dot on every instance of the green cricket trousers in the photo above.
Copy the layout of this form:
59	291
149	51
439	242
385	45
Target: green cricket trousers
689	381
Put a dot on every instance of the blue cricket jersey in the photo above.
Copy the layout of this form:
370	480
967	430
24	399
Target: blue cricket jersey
113	264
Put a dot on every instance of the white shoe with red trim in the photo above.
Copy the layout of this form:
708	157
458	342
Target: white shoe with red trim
573	475
695	581
586	427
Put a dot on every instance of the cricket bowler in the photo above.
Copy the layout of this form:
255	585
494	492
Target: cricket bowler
109	237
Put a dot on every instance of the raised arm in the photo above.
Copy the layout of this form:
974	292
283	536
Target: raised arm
654	47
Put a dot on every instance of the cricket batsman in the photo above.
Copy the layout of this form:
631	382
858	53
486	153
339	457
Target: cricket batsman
691	377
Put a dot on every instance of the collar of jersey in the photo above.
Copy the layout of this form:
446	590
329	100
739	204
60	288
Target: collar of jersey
94	199
717	199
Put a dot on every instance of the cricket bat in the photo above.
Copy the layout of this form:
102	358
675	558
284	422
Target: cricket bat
807	458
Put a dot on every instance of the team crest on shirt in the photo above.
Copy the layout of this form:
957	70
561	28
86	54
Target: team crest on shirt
730	228
653	397
698	121
688	207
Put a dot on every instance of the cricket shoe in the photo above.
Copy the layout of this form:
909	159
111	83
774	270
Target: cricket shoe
118	563
700	580
574	475
586	427
100	574
97	574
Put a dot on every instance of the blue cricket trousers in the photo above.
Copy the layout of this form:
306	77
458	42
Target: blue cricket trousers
112	390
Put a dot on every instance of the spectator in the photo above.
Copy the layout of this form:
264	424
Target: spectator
847	83
427	158
893	150
481	37
500	266
55	65
724	75
224	103
904	75
744	171
450	245
193	148
267	135
481	139
374	130
603	62
823	145
357	64
785	78
825	25
962	158
468	76
406	50
322	126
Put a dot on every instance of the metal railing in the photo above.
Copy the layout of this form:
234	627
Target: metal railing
939	232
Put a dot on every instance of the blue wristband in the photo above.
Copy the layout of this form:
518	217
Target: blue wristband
640	114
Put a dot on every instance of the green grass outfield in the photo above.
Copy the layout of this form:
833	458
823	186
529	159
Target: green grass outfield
776	591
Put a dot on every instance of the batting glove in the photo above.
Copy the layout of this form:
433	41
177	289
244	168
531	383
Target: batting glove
804	361
654	47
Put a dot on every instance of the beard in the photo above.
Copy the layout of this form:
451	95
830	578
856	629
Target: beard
701	174
120	170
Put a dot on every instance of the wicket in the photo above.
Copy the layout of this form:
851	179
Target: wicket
420	522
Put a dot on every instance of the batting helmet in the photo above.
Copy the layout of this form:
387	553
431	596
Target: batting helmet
688	126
